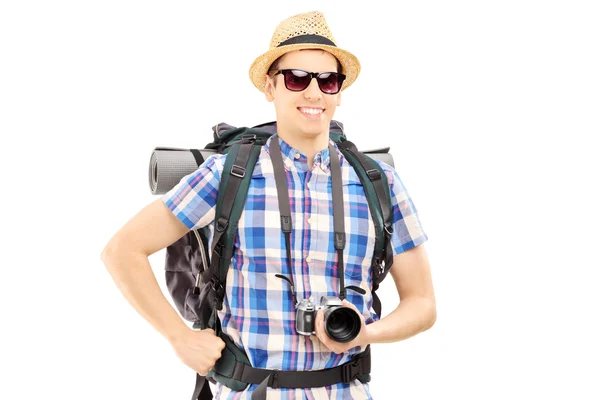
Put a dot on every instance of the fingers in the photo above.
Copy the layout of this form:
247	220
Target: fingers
319	329
203	371
212	354
331	344
201	350
214	346
319	325
214	341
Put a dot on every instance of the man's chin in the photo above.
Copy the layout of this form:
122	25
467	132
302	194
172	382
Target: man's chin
314	130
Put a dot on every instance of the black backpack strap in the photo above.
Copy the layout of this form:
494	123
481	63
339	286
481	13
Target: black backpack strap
377	190
359	367
197	156
233	189
202	391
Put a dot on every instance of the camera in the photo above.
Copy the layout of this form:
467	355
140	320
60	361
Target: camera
342	324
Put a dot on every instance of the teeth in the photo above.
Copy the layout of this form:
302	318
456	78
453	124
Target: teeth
312	111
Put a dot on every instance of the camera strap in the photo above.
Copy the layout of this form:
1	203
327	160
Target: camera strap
286	215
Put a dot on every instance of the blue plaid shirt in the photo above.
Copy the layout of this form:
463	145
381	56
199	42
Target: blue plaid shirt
258	310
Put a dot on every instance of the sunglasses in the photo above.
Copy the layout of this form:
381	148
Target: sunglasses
296	80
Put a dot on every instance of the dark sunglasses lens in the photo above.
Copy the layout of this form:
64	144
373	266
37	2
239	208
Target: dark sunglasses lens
330	82
297	80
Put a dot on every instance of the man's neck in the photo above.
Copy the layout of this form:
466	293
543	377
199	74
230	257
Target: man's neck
308	145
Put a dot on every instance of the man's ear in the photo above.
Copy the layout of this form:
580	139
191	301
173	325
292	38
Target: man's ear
269	88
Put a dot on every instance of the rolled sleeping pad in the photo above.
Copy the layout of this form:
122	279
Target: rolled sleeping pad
168	165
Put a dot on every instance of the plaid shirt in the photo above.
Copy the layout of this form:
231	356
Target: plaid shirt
258	310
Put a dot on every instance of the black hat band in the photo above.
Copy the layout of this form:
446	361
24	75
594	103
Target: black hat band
307	39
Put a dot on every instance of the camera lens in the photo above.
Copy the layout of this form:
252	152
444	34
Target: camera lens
342	324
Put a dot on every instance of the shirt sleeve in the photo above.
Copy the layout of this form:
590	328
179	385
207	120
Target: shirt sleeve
408	231
193	199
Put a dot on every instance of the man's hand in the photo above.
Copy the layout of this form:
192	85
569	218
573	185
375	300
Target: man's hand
198	349
337	347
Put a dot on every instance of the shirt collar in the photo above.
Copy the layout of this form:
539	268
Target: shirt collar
295	159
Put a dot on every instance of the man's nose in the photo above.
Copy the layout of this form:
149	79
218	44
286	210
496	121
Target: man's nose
312	92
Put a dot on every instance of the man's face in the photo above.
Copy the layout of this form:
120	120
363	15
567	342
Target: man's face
307	113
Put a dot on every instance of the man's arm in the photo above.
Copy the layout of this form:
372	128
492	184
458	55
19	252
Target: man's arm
126	258
416	311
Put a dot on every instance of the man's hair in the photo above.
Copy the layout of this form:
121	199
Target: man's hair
275	65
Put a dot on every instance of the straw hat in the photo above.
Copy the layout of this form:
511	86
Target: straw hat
303	31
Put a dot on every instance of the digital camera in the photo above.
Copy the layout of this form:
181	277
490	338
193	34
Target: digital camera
342	324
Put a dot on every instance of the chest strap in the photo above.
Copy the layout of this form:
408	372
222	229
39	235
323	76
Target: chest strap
359	367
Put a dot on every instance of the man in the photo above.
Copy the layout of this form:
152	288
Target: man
256	312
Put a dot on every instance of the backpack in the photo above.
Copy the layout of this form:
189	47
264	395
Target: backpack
195	275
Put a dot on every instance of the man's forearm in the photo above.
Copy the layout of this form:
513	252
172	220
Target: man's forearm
412	316
134	277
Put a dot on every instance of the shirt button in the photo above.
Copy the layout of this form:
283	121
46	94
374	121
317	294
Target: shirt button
308	259
309	221
297	156
308	185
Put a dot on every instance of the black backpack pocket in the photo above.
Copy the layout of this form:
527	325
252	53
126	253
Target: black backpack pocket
184	262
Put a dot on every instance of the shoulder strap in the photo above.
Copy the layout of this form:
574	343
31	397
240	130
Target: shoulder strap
233	189
377	190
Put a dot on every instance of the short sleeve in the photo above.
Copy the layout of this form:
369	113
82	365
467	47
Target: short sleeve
193	199
408	231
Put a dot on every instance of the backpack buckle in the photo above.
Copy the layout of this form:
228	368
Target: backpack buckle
374	174
219	290
238	171
249	136
388	229
273	380
221	224
351	370
377	268
218	250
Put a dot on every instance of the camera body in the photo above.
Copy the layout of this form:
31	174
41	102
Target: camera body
342	324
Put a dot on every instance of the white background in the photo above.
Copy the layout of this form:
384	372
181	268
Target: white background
490	109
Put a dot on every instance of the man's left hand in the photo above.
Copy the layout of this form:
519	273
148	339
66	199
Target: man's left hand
337	347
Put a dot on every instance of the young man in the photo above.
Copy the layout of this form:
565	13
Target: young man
257	312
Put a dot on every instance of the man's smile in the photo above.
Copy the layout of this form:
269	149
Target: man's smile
311	112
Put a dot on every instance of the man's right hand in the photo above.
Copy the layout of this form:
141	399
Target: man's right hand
198	349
